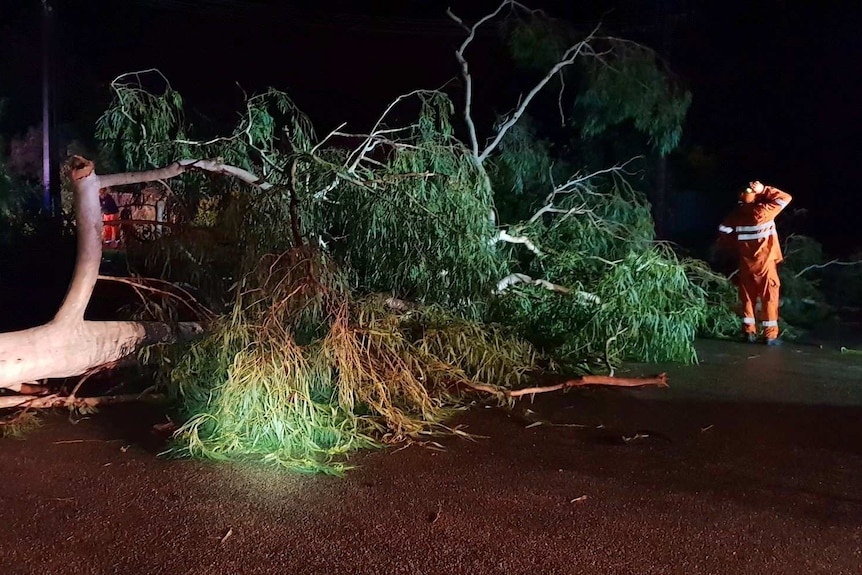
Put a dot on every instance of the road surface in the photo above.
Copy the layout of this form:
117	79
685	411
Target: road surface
751	462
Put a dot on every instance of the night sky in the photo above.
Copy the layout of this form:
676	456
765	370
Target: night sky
776	85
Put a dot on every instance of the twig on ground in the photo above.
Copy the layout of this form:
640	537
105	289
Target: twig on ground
227	535
51	401
659	380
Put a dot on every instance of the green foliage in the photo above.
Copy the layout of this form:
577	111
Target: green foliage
18	425
252	400
142	128
802	301
224	227
633	87
303	367
627	84
651	307
20	207
641	302
721	298
145	130
520	171
300	373
538	42
419	226
843	283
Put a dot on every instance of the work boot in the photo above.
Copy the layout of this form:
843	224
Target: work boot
750	338
773	342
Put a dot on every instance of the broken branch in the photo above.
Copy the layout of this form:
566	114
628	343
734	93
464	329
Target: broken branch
659	380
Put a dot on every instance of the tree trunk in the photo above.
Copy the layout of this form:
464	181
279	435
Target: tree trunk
68	345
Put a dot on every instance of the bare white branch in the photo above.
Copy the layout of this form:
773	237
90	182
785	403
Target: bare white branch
550	209
516	278
329	135
180	167
569	57
359	153
834	262
560	98
503	236
576	180
465	71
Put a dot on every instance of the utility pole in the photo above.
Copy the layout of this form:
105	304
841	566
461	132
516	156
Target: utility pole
663	16
48	137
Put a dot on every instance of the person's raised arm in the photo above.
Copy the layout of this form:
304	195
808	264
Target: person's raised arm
770	203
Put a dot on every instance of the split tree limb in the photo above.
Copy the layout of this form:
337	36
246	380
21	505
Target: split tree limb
176	169
68	345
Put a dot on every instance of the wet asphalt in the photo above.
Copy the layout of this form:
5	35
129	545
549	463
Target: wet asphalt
751	462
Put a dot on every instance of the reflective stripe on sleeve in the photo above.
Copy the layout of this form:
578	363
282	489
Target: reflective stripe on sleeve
781	203
725	229
748	320
757	236
770	323
757	228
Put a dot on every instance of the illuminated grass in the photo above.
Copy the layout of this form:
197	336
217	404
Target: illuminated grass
363	377
19	424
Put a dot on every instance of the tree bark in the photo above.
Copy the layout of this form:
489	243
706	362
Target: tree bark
68	345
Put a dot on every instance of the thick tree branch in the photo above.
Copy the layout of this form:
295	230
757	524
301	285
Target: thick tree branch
67	345
180	167
72	348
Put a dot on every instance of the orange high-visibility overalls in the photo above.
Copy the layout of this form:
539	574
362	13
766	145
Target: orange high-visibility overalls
756	241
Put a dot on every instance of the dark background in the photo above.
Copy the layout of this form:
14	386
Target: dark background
775	83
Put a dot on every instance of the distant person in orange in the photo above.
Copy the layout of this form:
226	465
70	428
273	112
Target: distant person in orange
110	213
750	231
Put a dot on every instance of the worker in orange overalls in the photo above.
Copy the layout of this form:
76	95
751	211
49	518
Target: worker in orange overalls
110	213
750	230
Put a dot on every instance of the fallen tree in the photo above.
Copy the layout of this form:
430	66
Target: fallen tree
301	366
69	345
